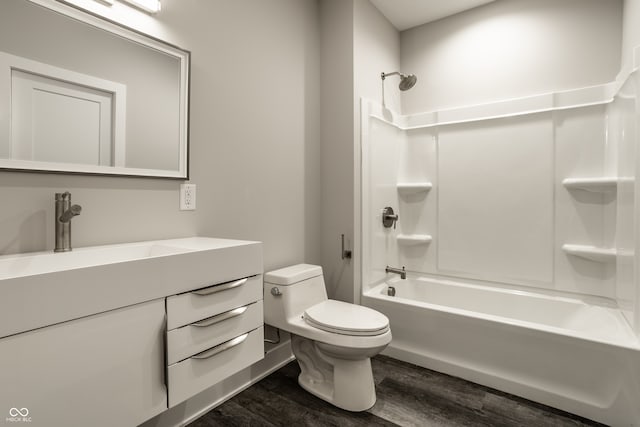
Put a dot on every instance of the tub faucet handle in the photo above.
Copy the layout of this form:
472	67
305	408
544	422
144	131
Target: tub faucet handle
389	218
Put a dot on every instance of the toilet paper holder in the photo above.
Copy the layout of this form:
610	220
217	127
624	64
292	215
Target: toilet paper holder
345	254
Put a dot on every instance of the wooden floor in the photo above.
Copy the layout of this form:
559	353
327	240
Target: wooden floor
408	395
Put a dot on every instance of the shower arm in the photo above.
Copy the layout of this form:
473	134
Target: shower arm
384	75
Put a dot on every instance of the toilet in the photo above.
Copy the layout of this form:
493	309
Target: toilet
333	341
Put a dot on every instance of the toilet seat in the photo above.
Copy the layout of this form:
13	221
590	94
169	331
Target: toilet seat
346	319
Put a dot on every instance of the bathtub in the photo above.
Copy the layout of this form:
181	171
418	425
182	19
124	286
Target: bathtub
577	355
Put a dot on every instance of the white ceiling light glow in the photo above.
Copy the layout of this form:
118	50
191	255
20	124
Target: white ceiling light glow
151	6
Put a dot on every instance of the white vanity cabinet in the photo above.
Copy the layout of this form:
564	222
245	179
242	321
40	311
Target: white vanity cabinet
114	335
212	333
101	370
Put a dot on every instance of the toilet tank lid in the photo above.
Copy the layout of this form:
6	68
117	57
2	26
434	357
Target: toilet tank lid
293	274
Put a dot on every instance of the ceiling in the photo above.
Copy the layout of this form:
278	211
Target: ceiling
405	14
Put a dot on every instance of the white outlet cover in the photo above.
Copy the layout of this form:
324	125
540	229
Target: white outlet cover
187	197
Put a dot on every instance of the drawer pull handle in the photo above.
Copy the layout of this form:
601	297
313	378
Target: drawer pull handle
220	348
220	317
220	288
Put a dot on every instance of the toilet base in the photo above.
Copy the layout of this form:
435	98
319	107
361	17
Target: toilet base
345	383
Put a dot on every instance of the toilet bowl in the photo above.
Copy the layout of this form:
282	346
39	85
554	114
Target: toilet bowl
333	341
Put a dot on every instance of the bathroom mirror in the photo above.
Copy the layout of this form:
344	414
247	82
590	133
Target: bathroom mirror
79	94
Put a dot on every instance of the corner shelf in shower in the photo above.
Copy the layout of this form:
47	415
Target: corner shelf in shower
592	253
413	239
598	184
414	187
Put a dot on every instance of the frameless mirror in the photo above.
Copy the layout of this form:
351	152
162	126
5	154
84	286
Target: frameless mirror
83	95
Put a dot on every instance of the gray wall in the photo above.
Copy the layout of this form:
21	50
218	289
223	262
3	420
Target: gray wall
254	121
509	49
357	44
254	143
336	21
630	30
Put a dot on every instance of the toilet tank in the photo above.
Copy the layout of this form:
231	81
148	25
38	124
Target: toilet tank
298	287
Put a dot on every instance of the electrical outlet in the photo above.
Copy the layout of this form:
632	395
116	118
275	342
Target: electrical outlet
187	197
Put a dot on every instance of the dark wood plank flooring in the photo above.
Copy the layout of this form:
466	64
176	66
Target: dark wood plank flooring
408	395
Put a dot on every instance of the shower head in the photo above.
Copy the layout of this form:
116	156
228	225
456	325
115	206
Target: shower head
407	81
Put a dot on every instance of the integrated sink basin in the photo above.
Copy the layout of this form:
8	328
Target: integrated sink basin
31	264
44	288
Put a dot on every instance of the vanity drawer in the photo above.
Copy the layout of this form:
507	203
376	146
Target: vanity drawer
206	369
206	302
196	337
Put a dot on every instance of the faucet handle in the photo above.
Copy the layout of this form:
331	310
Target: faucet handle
70	213
63	196
389	218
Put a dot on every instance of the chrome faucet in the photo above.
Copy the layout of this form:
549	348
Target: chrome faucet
402	273
64	212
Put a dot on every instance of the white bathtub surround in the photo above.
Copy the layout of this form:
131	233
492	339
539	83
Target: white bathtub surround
413	239
531	217
596	184
507	189
592	319
592	253
567	353
407	188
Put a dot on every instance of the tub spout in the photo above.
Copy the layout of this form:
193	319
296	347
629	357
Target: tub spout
402	273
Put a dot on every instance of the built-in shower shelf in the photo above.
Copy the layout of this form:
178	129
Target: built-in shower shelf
592	253
414	187
413	239
598	184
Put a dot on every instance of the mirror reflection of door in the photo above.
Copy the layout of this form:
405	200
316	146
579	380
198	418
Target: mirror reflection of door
60	116
81	94
56	121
